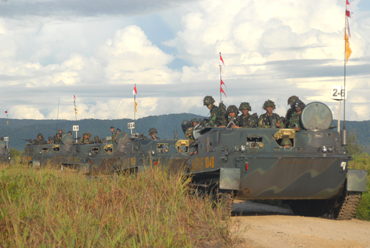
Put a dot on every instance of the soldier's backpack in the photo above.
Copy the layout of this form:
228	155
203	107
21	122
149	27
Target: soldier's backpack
222	109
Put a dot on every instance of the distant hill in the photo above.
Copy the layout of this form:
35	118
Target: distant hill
165	124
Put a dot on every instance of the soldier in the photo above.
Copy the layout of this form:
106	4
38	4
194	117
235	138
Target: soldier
96	140
153	133
50	140
70	132
189	133
232	116
58	139
40	140
247	120
185	125
216	119
1	138
61	132
286	143
291	110
113	135
103	140
294	119
118	131
269	119
86	139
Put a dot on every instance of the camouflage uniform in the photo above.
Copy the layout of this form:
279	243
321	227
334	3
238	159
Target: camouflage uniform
248	120
58	139
189	132
290	111
216	116
40	141
153	131
96	139
266	120
294	120
86	140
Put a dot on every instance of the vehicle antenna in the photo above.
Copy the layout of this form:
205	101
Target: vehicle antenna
56	128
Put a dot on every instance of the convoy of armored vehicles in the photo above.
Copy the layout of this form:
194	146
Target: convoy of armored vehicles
310	174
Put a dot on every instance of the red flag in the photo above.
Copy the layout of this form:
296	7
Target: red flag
134	91
348	9
222	64
6	111
222	91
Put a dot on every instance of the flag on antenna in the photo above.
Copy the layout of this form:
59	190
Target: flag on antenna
222	64
134	92
348	49
6	111
348	9
222	91
222	81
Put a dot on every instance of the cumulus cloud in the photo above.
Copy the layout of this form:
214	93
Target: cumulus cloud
272	50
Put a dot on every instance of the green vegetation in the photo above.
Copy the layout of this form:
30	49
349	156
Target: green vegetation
58	208
362	162
353	146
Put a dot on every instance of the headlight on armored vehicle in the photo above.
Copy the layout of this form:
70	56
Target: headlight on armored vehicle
89	153
9	158
242	148
324	149
153	152
40	152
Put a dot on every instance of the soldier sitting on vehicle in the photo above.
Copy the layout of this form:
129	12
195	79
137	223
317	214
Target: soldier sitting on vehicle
70	132
40	140
189	133
96	140
58	139
86	139
294	121
232	117
290	110
269	119
216	117
61	132
153	133
113	135
247	120
118	131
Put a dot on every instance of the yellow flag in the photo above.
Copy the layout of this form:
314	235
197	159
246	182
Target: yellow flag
7	122
135	106
76	113
348	49
76	109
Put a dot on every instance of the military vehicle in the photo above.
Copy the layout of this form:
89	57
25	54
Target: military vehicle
311	173
142	153
97	158
5	157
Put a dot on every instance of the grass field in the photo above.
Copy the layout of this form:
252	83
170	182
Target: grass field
362	162
57	208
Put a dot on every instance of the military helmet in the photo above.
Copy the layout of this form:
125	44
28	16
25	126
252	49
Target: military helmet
232	109
292	99
298	103
268	103
40	134
286	142
96	137
245	105
153	131
194	120
208	100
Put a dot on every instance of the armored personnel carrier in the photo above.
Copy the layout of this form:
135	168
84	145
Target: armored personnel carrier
4	153
97	158
143	153
311	173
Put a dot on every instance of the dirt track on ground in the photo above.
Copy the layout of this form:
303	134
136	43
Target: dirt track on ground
261	225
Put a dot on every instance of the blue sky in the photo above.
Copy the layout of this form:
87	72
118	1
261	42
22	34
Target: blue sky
97	50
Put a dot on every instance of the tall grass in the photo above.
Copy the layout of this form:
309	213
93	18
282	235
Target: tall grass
362	162
152	209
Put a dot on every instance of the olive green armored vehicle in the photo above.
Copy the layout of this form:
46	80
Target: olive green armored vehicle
97	158
142	153
5	157
307	168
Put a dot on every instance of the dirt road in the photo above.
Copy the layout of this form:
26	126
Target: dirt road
271	226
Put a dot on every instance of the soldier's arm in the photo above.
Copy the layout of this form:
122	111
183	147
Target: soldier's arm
212	118
279	122
261	123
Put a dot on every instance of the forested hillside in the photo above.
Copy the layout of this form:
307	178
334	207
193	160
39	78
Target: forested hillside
17	130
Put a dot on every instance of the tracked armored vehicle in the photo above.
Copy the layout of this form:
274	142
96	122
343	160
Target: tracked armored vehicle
142	153
97	158
5	157
311	174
